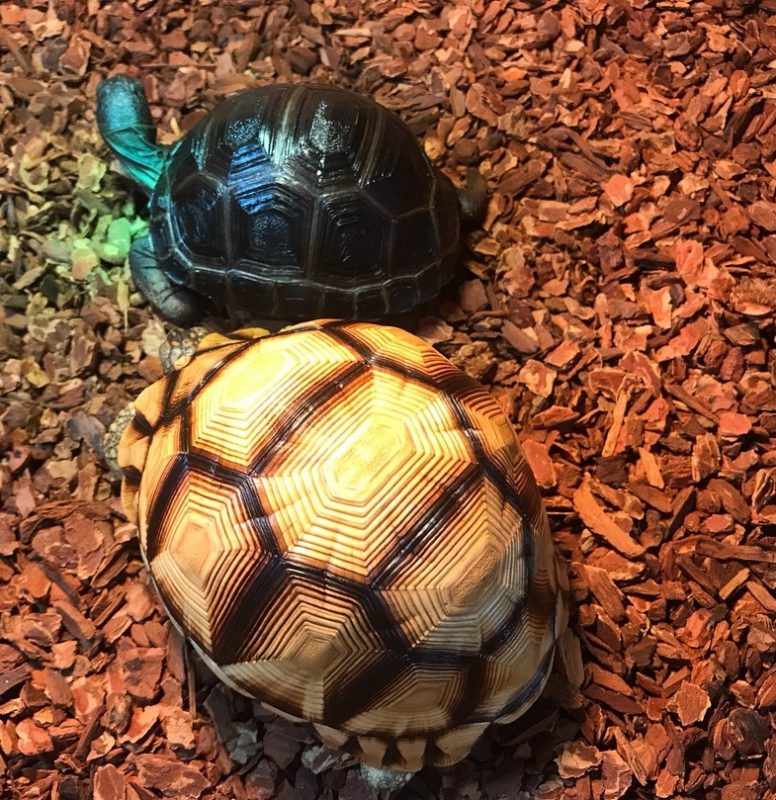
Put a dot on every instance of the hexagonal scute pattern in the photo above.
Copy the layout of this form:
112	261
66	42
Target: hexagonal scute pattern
348	242
271	223
315	188
347	530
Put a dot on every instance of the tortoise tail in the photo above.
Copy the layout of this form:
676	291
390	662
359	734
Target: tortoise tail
473	199
125	123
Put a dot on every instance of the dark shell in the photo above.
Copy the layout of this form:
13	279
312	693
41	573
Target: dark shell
297	200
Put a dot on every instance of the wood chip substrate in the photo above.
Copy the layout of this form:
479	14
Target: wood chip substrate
619	300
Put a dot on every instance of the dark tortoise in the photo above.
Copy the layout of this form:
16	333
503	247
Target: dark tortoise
289	201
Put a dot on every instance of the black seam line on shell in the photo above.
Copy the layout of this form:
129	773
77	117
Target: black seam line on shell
471	693
378	614
141	424
184	434
527	691
332	324
290	115
173	411
235	638
450	386
421	534
509	628
311	246
351	747
392	754
237	337
358	693
301	411
225	201
232	341
160	505
431	752
170	382
251	504
427	657
376	145
375	359
131	475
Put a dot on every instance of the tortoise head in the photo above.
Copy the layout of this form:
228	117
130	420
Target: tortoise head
121	103
125	123
182	344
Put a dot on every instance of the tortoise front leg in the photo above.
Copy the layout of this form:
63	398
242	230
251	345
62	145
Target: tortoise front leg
110	442
177	304
179	345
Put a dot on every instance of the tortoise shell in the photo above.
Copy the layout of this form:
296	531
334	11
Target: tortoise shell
346	527
296	200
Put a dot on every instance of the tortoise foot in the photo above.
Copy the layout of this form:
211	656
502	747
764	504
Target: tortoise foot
177	304
110	444
384	781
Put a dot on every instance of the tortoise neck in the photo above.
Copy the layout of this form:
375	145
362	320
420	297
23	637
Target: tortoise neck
125	122
141	157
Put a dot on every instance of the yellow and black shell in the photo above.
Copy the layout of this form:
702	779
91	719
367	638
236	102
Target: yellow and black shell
345	526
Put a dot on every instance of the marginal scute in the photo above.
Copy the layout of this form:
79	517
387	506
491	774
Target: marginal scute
346	528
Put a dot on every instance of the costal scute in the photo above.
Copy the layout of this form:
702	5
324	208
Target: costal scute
345	526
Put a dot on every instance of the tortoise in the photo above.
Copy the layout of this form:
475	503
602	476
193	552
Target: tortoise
345	527
290	201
